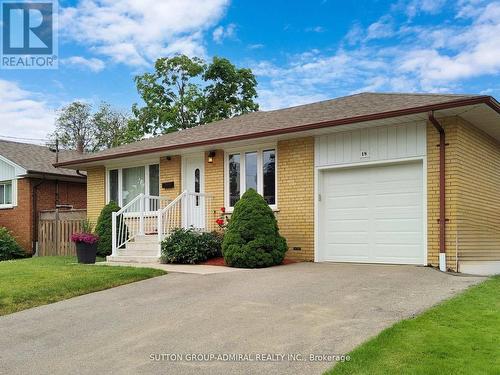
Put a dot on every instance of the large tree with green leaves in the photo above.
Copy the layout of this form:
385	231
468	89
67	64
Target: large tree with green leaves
78	127
184	92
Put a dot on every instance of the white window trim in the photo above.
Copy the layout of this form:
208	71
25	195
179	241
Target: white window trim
13	192
260	175
120	181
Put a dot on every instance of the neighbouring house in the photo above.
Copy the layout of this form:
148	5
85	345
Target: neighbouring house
29	184
369	178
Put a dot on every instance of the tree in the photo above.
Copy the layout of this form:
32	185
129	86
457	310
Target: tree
184	92
77	128
252	238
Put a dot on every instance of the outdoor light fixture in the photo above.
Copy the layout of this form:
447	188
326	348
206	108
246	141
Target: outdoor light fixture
211	156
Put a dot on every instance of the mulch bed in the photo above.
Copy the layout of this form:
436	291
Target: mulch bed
220	262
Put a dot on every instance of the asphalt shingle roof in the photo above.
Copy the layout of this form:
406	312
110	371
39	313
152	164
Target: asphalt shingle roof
36	159
363	104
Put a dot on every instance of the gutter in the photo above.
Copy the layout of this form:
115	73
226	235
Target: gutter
488	100
442	191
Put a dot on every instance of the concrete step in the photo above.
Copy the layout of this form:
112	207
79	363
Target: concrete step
128	252
140	246
145	238
133	259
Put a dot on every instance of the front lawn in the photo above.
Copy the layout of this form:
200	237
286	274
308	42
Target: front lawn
27	283
458	336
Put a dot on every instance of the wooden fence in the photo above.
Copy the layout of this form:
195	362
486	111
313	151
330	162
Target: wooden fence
55	229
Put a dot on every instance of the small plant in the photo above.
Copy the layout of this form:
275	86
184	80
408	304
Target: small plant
189	247
252	238
9	248
87	226
104	229
87	238
222	221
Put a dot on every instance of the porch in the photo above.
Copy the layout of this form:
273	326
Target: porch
142	224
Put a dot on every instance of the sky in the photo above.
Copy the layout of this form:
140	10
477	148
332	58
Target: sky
300	51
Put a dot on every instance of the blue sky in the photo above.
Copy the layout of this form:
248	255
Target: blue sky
300	51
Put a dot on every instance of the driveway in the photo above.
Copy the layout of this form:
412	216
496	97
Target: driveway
299	309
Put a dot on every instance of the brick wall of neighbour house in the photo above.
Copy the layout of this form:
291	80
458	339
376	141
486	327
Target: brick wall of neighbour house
214	184
170	170
96	192
296	196
19	220
478	213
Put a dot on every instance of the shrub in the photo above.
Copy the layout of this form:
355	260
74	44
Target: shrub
252	238
9	248
189	247
104	229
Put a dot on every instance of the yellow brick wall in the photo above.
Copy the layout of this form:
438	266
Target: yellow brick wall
170	170
478	194
96	192
450	125
214	184
296	196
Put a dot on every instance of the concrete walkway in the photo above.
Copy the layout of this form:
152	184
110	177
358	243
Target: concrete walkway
197	269
156	325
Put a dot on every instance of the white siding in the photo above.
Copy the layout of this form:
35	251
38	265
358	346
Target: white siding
380	143
7	171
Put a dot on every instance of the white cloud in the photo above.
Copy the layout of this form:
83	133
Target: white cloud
220	33
93	64
315	29
137	32
413	59
24	113
415	7
381	29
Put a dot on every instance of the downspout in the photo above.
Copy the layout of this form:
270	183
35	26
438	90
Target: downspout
34	214
442	191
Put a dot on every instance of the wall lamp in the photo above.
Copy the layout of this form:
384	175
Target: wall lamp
211	156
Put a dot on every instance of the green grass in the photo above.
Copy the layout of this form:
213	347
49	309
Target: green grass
27	283
458	336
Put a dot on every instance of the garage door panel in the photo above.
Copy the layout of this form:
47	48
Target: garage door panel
373	214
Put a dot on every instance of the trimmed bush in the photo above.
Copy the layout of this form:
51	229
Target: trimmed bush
187	246
104	229
9	248
252	238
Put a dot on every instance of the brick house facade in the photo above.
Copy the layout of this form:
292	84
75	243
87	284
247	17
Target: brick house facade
389	214
34	187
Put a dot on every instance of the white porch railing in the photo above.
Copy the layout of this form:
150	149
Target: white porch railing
188	210
159	216
138	217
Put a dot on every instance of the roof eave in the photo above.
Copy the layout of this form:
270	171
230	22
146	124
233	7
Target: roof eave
485	99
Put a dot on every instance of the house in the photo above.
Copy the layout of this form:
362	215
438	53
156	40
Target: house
369	178
29	183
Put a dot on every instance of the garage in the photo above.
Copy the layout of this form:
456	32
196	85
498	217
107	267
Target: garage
372	214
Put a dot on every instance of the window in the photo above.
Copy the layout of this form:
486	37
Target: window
234	179
6	193
254	169
113	185
124	184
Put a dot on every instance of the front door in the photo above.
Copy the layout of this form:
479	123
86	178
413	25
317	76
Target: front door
194	205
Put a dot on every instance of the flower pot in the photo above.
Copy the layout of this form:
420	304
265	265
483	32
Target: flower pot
86	252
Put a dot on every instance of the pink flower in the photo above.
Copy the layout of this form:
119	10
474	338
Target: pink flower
220	221
223	209
84	237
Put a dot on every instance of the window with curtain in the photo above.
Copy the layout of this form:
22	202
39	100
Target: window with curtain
133	183
113	186
234	179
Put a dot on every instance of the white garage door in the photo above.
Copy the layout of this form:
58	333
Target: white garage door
372	214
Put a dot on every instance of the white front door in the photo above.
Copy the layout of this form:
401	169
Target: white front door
372	214
194	205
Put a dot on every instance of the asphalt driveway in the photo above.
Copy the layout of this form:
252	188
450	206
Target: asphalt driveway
165	325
